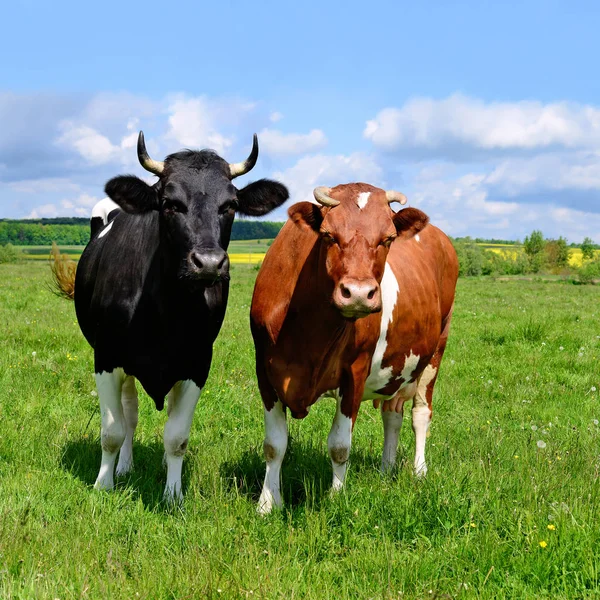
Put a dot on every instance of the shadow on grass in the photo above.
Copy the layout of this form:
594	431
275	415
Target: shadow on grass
81	458
306	473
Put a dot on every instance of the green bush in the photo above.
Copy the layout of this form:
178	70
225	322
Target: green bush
589	271
8	254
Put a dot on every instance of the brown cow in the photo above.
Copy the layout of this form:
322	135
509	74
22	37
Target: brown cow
352	301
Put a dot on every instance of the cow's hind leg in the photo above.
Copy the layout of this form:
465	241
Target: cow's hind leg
392	423
182	403
129	401
422	403
274	447
113	428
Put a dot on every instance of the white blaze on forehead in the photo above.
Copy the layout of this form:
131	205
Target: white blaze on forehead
417	238
379	377
410	364
362	199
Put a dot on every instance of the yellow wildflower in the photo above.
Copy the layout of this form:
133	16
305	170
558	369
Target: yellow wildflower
551	527
543	544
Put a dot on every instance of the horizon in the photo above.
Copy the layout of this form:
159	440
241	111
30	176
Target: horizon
485	116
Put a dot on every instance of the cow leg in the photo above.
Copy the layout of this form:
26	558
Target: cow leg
129	401
392	422
182	403
421	418
422	403
113	428
274	446
338	443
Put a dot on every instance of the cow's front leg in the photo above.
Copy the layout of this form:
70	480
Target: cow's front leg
338	443
275	445
348	403
113	426
129	401
181	405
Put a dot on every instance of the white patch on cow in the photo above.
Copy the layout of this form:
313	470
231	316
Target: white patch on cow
362	199
379	377
338	443
410	364
113	428
418	237
182	401
129	402
392	422
421	418
103	208
105	230
275	445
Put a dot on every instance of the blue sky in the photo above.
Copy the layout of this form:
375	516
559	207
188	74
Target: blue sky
486	114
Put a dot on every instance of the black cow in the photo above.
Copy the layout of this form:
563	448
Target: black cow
151	291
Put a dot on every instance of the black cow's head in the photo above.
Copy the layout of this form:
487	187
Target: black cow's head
197	203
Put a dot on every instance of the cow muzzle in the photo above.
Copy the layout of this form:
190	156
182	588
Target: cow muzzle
357	298
208	265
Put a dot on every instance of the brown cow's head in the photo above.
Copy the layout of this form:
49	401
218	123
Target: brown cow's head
358	226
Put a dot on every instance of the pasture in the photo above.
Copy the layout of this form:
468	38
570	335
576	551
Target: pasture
240	251
510	507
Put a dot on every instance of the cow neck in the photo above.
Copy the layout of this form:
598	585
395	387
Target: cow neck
327	326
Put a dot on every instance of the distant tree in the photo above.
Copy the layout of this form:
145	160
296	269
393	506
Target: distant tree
557	253
534	248
587	248
534	243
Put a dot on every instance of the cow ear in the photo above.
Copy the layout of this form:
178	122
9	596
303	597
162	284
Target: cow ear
409	221
132	194
261	197
306	214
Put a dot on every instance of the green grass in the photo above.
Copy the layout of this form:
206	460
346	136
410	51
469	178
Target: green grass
235	247
521	367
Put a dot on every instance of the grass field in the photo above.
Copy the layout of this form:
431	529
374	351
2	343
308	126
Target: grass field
240	251
510	508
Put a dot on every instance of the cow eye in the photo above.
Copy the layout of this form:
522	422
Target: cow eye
387	242
228	207
174	206
329	238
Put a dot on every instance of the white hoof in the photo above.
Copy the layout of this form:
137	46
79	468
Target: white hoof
421	471
267	502
124	466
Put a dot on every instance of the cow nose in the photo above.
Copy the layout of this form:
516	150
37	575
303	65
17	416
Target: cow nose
357	298
208	264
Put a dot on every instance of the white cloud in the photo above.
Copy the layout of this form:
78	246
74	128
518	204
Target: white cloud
559	171
277	143
94	147
43	185
275	117
191	125
44	210
440	127
321	169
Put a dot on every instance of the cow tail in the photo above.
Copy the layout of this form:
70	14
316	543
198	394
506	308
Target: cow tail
63	274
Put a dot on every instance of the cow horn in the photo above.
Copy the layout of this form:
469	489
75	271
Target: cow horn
154	166
322	197
237	169
395	197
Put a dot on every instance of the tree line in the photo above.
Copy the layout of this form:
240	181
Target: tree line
537	255
76	232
